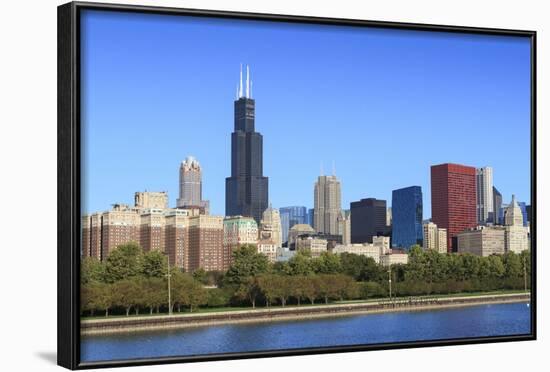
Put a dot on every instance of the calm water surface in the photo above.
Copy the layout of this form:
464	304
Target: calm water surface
475	321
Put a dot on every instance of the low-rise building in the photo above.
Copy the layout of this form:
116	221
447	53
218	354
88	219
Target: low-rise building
482	241
395	257
314	244
268	248
238	231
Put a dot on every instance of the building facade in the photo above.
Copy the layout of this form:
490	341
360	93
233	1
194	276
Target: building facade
368	219
407	217
344	226
314	244
327	204
434	238
246	191
297	230
453	199
482	241
291	216
206	250
484	195
238	231
379	247
395	257
269	249
151	200
497	207
516	234
190	185
270	227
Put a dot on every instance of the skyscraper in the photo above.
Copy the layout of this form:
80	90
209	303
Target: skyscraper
291	216
191	184
453	199
368	219
484	194
246	191
407	217
327	204
497	207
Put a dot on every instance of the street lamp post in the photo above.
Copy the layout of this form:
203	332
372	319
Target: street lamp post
389	279
169	275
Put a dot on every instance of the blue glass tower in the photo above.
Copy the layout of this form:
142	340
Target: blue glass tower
406	217
291	216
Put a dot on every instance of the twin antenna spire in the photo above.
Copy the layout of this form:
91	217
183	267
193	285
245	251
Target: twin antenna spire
248	88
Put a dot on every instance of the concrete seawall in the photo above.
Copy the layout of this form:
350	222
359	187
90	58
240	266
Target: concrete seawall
149	323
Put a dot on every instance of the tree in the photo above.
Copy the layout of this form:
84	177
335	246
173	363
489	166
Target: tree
154	264
301	263
265	282
217	297
126	294
353	264
123	262
513	265
200	276
91	270
101	296
297	287
327	288
153	293
247	262
327	263
310	287
249	290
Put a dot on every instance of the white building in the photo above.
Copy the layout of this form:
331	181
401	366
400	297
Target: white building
482	241
314	244
516	237
379	247
434	238
268	248
394	258
484	194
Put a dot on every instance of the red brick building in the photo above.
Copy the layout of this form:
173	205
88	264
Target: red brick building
453	199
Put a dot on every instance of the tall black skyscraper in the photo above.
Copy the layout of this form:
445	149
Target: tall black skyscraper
246	191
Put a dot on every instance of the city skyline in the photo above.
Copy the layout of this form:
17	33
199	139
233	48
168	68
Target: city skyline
154	166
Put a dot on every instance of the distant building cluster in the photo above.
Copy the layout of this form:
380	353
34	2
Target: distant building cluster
467	216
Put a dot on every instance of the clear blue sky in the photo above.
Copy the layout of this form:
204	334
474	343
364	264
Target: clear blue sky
384	105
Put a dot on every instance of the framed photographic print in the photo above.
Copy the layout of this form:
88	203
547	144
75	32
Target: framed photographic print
237	185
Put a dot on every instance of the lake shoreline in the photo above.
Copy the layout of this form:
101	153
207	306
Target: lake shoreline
178	321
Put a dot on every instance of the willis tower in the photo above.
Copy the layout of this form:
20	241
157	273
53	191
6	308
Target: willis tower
246	191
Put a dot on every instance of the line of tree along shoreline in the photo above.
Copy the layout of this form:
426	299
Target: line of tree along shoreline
133	281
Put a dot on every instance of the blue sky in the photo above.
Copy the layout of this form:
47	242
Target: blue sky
383	105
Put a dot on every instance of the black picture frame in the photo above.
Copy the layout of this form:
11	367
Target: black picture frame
69	181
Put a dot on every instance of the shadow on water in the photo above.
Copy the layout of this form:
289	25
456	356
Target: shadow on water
48	356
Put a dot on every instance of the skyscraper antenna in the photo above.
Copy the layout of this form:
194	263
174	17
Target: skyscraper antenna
250	88
237	92
247	82
241	82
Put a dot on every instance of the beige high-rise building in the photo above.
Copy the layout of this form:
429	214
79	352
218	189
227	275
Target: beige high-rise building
238	231
434	238
151	200
482	241
176	240
206	248
327	204
516	235
344	227
270	226
151	230
314	244
190	185
119	226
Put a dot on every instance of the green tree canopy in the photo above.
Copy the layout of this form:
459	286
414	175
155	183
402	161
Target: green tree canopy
123	262
247	262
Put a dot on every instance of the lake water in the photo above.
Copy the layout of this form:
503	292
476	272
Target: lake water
474	321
